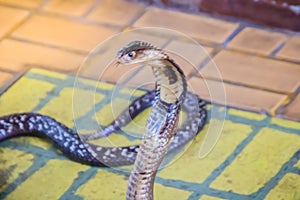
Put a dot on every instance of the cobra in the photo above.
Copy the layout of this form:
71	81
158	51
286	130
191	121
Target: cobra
162	134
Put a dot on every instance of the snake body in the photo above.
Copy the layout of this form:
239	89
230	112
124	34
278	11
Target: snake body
161	134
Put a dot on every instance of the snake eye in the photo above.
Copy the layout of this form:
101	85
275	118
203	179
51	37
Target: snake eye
131	54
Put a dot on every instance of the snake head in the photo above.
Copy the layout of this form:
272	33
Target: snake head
139	52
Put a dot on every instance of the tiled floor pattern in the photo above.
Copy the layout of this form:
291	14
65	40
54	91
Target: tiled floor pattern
256	157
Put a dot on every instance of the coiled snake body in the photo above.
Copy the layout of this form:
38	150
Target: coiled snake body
161	134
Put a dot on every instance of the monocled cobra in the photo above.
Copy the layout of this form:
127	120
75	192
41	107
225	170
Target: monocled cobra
161	135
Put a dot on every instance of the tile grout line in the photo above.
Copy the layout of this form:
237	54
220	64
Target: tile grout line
31	12
263	56
94	6
234	34
83	178
277	49
91	88
35	166
285	168
228	161
47	45
247	85
135	19
240	147
231	120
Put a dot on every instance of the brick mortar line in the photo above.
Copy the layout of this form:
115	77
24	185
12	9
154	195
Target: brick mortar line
22	22
6	70
77	19
242	24
235	33
246	85
95	5
48	45
270	56
219	49
8	5
110	25
278	48
137	17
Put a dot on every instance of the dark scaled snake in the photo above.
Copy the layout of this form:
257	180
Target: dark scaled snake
162	134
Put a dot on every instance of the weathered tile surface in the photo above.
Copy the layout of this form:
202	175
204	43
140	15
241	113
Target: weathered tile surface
99	65
187	53
70	7
54	170
26	4
10	18
116	12
257	41
254	156
63	32
259	161
255	71
16	56
199	27
287	188
291	49
237	96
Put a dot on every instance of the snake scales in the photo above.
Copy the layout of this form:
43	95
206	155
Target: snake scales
161	135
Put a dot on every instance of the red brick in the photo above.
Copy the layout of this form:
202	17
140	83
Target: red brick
70	7
236	96
196	26
14	55
255	71
257	41
9	18
292	111
63	32
117	12
291	49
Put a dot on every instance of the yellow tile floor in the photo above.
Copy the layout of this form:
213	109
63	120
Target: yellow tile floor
256	157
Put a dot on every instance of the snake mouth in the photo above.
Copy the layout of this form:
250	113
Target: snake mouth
116	63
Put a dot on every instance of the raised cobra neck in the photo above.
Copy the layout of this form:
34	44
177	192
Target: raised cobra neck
160	129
